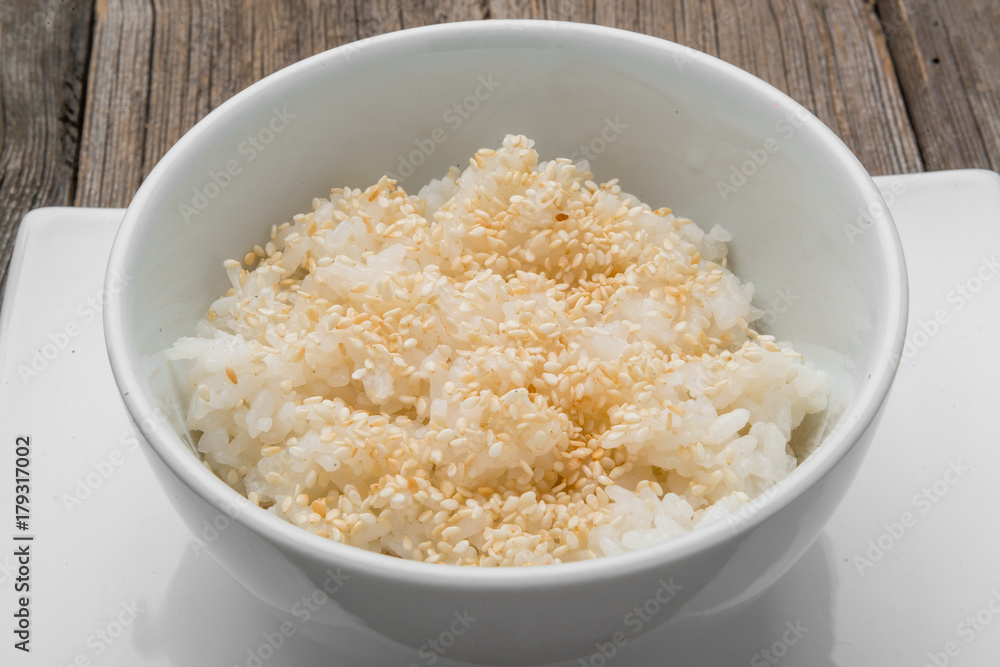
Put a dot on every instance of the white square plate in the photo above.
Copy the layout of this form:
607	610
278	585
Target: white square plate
907	571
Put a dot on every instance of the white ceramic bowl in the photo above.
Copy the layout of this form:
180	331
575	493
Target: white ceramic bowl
679	128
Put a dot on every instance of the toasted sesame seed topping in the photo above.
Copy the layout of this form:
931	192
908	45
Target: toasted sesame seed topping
516	366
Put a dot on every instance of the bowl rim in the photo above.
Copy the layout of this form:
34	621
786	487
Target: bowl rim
856	419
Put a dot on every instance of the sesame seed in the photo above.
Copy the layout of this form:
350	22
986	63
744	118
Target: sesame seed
396	341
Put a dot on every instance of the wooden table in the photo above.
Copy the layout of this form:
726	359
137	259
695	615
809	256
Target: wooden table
94	92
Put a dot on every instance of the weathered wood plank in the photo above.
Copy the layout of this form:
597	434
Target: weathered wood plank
429	12
947	57
622	14
43	51
517	9
117	101
157	68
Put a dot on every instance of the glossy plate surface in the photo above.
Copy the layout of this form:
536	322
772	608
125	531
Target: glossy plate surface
905	572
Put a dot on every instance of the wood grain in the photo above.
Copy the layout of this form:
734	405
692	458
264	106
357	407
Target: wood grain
428	12
158	68
947	57
43	51
117	101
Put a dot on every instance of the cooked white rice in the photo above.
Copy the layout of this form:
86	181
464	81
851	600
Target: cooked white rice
516	366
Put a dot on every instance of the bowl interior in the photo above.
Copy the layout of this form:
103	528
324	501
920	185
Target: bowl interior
678	128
